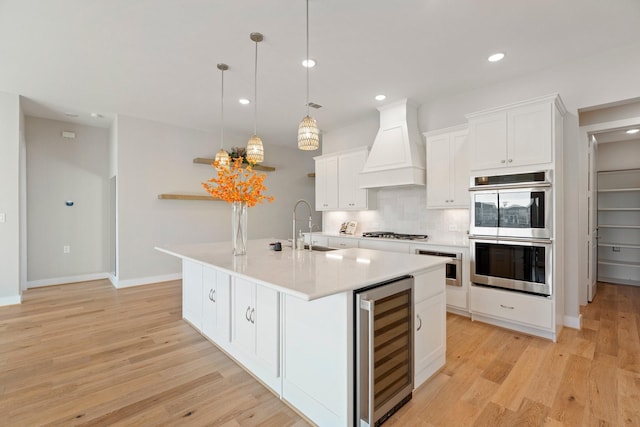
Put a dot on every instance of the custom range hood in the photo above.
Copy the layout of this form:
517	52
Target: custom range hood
397	156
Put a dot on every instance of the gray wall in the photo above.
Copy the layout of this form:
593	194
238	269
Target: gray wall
155	158
10	198
61	169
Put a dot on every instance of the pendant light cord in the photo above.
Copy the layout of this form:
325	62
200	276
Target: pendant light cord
255	93
308	65
222	112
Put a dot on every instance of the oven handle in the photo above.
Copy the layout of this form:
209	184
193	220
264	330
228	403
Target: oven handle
522	185
511	239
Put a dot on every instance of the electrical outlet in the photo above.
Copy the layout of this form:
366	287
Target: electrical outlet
66	249
453	227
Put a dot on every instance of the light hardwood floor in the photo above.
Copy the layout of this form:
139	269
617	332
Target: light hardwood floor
88	354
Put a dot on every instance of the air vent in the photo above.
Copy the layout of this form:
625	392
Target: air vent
314	105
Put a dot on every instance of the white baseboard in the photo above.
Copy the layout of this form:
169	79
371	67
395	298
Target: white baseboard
68	279
573	321
144	280
12	300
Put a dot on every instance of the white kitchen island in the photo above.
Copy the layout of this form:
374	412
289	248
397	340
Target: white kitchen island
288	316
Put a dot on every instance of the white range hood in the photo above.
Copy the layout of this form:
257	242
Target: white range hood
397	157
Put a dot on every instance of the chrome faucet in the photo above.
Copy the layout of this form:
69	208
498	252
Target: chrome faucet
295	219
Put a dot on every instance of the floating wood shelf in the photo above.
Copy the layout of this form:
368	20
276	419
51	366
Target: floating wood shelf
168	196
208	161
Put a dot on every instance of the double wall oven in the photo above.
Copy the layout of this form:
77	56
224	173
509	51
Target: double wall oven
511	230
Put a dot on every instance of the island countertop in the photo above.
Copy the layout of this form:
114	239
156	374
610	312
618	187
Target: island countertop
305	274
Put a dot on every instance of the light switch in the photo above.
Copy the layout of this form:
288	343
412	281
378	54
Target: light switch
3	217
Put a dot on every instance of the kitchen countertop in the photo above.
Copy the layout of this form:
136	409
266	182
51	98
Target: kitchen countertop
453	241
305	274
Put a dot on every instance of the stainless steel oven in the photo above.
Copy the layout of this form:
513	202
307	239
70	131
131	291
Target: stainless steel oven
384	350
453	268
517	205
519	264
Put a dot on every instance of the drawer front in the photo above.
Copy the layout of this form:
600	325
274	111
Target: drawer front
530	310
384	246
428	284
342	243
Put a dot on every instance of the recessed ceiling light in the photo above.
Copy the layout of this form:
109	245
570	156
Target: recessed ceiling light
380	97
244	101
309	63
70	114
96	115
632	131
496	57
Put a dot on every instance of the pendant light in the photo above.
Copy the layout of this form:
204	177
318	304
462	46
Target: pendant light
255	150
308	132
222	157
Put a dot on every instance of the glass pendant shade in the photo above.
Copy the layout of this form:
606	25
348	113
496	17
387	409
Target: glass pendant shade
255	150
308	134
223	159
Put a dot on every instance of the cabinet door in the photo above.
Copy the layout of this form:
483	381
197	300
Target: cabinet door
192	293
209	302
438	171
459	149
488	141
216	305
350	195
243	327
327	183
429	335
530	135
267	321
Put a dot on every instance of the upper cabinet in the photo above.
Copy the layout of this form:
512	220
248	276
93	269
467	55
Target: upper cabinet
338	181
448	168
521	134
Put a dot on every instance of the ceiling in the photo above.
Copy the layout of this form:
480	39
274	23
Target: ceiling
156	59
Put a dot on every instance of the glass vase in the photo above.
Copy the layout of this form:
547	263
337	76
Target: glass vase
239	227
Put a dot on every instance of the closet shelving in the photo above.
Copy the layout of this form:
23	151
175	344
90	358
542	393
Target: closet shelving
619	226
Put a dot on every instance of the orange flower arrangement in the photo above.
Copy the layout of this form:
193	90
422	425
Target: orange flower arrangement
237	184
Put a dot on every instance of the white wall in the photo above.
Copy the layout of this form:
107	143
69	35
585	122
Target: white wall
10	198
155	158
599	79
59	170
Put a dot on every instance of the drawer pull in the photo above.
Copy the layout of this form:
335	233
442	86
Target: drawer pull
419	324
507	307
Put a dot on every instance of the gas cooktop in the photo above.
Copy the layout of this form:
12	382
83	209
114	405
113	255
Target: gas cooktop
392	235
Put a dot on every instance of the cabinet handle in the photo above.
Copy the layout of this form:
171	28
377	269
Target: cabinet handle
507	307
210	290
246	314
251	317
419	324
213	295
503	161
510	160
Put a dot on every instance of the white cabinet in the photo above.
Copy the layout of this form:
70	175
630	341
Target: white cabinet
350	195
342	242
192	293
448	168
521	134
216	305
326	183
619	227
527	310
429	324
338	181
255	325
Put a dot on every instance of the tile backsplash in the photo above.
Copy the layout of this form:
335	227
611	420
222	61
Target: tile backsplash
404	210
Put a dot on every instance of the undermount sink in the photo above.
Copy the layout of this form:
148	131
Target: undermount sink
319	248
